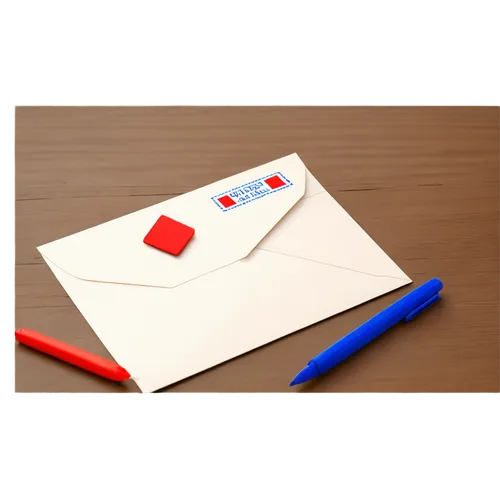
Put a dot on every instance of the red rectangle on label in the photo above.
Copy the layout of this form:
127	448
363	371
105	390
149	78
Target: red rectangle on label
274	182
226	201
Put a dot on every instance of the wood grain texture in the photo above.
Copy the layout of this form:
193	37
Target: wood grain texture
423	182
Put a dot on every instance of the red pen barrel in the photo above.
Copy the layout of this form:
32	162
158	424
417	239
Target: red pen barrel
72	355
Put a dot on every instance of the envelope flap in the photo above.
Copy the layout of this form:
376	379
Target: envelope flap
230	218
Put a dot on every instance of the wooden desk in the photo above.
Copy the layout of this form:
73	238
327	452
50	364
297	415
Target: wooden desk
423	182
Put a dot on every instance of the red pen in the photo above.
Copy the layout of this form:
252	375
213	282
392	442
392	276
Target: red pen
73	355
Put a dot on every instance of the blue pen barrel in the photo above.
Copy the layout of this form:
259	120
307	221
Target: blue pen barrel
406	308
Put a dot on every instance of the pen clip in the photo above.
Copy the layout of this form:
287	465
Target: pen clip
422	307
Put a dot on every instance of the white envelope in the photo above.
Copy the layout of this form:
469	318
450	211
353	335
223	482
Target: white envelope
276	256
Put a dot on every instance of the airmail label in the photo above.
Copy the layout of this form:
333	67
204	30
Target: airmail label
251	191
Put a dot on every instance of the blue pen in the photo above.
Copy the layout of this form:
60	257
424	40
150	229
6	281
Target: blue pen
404	309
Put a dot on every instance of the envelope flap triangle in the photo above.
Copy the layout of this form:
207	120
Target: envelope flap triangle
230	218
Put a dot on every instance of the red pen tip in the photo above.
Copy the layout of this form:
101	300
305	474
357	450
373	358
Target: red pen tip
126	374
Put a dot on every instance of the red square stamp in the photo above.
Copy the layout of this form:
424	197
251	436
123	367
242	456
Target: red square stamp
169	235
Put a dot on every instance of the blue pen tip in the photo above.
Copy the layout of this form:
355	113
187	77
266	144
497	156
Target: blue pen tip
307	373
